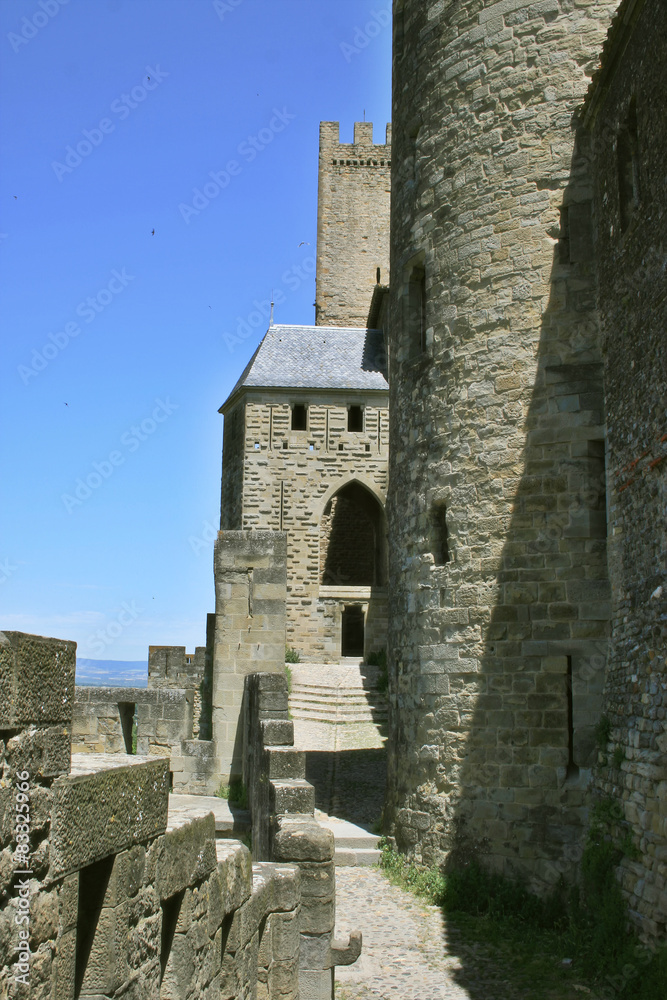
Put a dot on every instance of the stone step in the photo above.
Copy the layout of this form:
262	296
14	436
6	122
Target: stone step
340	719
338	697
347	857
353	705
354	845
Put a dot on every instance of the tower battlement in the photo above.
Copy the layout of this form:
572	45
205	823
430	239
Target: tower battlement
352	223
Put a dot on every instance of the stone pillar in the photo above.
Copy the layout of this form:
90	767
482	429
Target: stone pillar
250	594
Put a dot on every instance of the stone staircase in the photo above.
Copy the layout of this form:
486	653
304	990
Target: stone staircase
337	706
355	846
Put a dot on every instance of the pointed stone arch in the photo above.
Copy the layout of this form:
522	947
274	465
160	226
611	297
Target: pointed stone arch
353	537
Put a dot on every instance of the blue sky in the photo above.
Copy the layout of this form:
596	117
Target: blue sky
119	345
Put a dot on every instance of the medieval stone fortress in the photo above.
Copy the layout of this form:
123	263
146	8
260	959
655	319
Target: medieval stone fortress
463	463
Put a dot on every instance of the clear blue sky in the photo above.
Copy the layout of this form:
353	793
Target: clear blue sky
118	344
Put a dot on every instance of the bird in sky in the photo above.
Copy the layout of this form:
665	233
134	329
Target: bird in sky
304	244
152	232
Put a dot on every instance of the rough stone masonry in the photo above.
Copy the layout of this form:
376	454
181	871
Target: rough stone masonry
520	250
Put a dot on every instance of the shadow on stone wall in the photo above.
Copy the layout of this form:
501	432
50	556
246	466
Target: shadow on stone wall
349	784
495	756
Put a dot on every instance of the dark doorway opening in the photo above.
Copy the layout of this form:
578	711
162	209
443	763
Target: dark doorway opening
352	638
352	539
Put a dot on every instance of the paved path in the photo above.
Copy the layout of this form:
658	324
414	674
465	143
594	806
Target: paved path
405	953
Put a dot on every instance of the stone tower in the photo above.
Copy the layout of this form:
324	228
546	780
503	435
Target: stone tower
499	613
352	224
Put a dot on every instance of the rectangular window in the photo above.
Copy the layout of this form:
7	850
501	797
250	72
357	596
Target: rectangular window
299	417
355	418
628	167
439	534
416	311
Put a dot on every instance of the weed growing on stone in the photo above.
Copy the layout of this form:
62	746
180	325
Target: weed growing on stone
292	655
586	924
288	676
603	732
379	659
235	792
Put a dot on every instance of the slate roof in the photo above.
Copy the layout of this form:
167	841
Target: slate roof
316	357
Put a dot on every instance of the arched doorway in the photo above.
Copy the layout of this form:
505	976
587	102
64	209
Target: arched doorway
352	539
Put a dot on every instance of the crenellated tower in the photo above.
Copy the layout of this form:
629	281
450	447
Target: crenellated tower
352	224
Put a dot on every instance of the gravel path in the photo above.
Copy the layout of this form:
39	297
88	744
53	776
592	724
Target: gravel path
406	954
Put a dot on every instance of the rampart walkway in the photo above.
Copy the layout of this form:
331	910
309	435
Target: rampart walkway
407	953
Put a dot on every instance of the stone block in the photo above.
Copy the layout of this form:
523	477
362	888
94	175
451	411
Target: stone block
285	762
317	878
95	815
302	840
291	795
316	985
277	732
186	856
36	680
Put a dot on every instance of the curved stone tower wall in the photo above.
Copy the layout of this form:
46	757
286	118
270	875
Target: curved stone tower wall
500	615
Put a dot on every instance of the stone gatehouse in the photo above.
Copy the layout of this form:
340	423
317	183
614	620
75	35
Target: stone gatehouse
305	452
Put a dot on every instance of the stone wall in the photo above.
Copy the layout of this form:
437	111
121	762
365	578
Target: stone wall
102	720
116	900
291	476
500	604
250	589
172	667
284	829
352	223
627	121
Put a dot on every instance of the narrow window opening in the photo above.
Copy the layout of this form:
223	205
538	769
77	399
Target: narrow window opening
126	710
355	418
564	236
367	447
340	447
352	632
171	909
417	311
628	167
440	534
93	882
284	444
572	768
299	417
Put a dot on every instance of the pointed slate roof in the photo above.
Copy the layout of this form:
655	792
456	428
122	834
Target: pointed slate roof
316	357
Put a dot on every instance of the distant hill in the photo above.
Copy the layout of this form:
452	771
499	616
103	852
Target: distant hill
111	673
